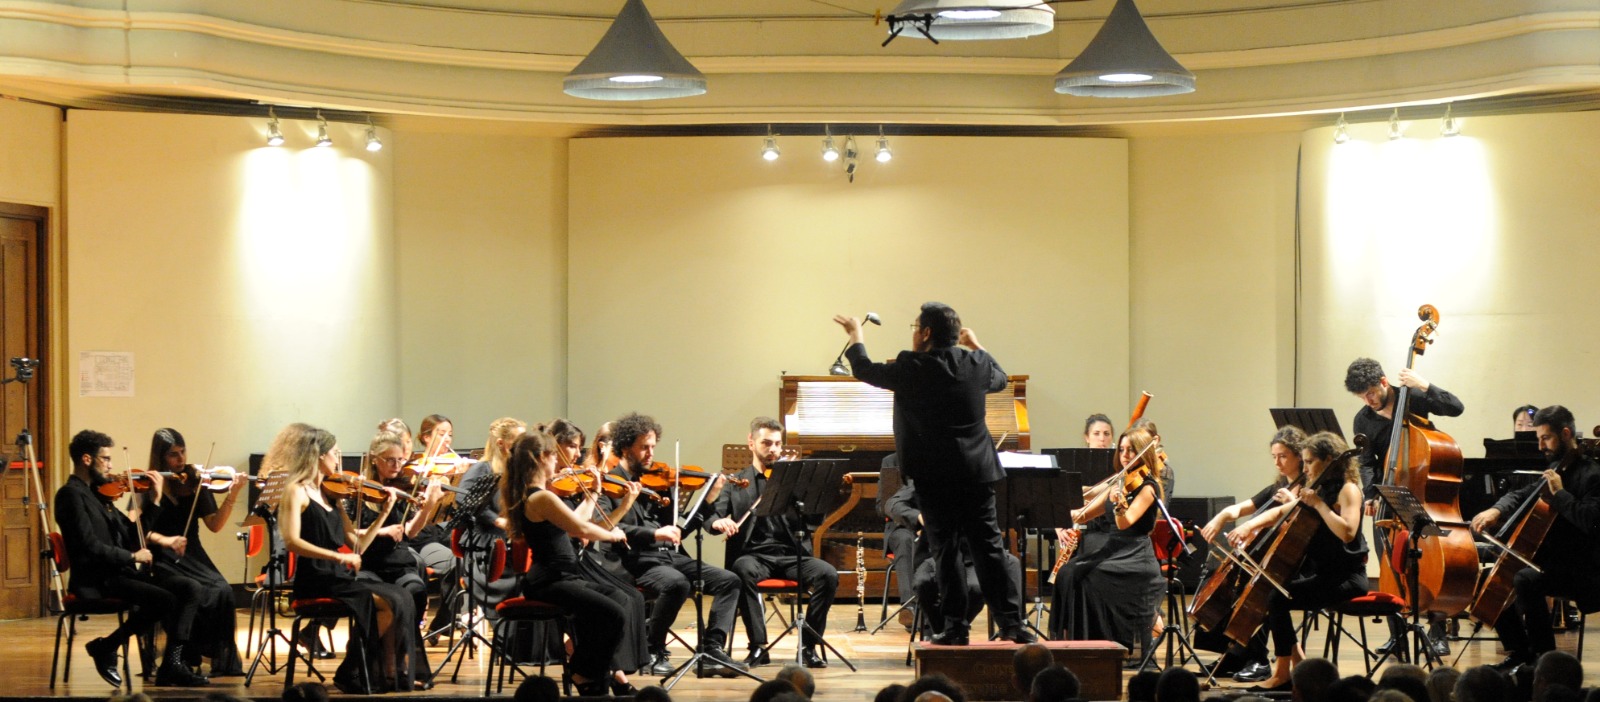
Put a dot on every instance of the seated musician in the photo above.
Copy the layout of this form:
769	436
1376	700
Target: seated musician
901	529
632	653
396	425
1522	418
390	558
1097	432
600	452
544	523
1104	592
172	523
765	547
108	561
1334	569
488	524
1249	663
315	530
432	544
654	557
1570	552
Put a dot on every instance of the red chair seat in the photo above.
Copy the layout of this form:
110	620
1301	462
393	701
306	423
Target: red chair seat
1371	604
320	607
74	604
777	584
524	608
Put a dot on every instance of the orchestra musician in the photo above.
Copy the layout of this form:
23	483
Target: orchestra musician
1522	418
489	523
632	652
1375	420
1570	552
599	454
655	559
172	523
545	523
314	529
902	529
396	425
108	561
944	445
1103	592
1248	664
432	544
1097	432
1334	569
766	547
390	558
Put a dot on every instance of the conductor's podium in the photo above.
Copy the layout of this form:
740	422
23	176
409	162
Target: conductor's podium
984	668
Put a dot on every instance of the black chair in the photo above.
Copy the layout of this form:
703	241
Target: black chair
75	608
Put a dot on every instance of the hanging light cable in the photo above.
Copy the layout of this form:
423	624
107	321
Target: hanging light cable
274	134
634	61
1124	60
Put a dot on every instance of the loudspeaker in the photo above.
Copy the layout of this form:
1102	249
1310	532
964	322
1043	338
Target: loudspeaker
1194	512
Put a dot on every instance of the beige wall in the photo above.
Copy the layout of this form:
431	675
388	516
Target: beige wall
254	285
1496	228
481	225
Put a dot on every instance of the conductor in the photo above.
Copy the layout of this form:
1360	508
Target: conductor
945	448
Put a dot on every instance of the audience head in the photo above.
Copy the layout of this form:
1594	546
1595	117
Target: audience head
1389	694
306	692
769	690
1026	663
1404	683
1178	685
1353	688
1556	668
1556	692
934	683
1442	683
1142	686
1482	684
1053	684
537	688
800	678
1312	677
890	693
652	693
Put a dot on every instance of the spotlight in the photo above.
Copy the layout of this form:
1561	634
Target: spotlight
1394	125
322	131
373	144
829	152
883	147
1451	126
769	148
274	135
1341	130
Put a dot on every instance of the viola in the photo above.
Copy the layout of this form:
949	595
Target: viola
661	476
575	480
347	484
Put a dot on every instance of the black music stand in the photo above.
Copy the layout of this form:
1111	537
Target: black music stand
1307	419
1172	632
1408	511
269	492
1039	498
804	489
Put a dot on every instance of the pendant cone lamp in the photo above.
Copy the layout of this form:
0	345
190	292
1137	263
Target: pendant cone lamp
1124	60
981	19
634	61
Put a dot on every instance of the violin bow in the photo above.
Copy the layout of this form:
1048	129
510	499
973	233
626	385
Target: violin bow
196	502
590	495
138	524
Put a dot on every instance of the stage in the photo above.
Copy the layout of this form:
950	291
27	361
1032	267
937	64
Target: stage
880	660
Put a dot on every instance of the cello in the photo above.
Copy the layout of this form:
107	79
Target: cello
1428	463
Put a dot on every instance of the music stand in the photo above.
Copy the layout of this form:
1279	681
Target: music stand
1094	465
269	492
1040	498
1307	419
471	541
1172	632
804	488
1408	511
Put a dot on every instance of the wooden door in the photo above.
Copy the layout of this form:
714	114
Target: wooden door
21	405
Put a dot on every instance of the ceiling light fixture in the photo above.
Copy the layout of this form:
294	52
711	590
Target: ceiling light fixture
829	152
373	144
884	155
972	19
769	148
322	131
850	154
634	61
274	135
1341	130
1450	126
1394	125
1124	60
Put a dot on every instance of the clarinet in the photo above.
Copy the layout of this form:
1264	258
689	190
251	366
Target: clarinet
861	585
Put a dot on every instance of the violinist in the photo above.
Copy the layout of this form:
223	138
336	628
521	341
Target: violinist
108	560
1334	569
432	544
765	547
1248	664
632	652
390	558
1104	593
488	522
172	526
1375	420
396	425
600	452
315	530
654	557
1570	552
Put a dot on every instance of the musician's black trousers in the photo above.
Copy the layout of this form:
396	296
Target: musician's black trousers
1313	592
670	583
965	511
819	578
903	544
1524	626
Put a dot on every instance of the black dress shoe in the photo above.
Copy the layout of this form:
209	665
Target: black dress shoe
622	689
313	647
1396	647
660	665
709	668
758	656
104	653
592	688
179	676
1253	673
715	653
810	659
1018	634
950	637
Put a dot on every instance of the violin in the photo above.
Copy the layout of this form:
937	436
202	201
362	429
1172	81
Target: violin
193	477
575	480
347	484
661	476
121	483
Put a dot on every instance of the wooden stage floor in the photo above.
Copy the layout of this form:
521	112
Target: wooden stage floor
880	660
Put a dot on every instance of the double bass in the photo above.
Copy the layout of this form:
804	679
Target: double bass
1428	463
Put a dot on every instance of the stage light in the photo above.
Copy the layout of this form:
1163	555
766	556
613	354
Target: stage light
769	148
274	134
373	144
322	131
1450	126
1341	130
830	153
884	155
1394	125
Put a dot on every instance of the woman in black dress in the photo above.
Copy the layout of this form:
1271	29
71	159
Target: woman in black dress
1103	593
390	559
314	530
172	525
545	523
1335	565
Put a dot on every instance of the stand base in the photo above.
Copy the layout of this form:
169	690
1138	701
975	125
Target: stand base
984	669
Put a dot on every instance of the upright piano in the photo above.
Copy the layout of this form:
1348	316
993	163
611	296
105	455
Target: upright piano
830	416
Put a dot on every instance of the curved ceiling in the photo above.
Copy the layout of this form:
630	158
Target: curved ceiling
787	61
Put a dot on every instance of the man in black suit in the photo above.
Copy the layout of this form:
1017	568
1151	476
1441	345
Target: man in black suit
765	547
944	445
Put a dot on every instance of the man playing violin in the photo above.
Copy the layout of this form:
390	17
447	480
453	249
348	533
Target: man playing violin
1570	553
653	555
765	547
108	561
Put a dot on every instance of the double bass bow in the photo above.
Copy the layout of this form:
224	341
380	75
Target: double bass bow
1427	462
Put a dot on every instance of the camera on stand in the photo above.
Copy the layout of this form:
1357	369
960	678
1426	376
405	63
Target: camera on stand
25	367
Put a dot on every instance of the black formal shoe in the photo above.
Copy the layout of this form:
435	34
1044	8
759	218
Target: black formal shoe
1441	648
810	659
1018	634
622	689
1253	673
950	637
1287	686
1396	647
313	647
709	668
660	665
593	688
104	654
758	656
1225	667
715	652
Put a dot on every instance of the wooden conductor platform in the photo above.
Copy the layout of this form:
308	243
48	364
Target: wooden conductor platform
984	668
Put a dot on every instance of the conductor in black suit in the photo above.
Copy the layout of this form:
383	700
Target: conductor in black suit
945	448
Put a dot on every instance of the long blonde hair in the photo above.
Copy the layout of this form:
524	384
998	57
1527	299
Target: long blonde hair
295	451
502	429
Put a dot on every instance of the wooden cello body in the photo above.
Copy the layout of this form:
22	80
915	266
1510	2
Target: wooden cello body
1529	533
